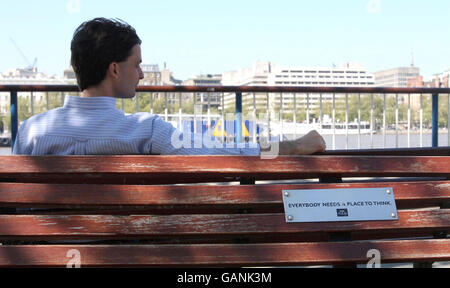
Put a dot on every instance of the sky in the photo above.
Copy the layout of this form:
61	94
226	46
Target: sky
211	37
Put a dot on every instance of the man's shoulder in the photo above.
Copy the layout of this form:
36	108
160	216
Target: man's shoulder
43	116
39	121
150	121
142	116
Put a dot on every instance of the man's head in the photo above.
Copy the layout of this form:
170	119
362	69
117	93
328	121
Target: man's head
105	48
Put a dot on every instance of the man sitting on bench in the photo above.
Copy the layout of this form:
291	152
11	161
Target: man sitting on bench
106	57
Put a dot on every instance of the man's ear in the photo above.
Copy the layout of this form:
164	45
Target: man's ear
113	69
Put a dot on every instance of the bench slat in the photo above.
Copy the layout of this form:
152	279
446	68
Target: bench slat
189	169
407	194
129	227
224	254
413	151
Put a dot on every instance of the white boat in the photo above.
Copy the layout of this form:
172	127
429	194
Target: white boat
327	128
287	128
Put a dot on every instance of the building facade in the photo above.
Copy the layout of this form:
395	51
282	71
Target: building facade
270	74
396	77
437	81
153	76
207	100
256	75
28	77
347	75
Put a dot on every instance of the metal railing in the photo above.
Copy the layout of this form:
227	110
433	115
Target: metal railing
289	101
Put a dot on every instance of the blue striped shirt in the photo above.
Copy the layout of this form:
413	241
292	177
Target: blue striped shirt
93	126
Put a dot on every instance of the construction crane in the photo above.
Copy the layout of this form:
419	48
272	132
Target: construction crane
30	66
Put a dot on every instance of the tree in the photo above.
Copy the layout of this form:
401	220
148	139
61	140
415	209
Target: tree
443	111
5	123
427	111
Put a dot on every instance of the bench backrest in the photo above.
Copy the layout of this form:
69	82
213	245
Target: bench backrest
196	169
163	223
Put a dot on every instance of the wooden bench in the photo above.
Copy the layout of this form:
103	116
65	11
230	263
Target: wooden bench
146	211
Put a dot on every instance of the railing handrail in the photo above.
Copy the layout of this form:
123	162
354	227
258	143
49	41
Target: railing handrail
242	89
238	90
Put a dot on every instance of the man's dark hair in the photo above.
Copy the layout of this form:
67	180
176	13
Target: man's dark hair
97	43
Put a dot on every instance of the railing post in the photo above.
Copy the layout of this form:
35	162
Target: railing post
435	120
238	120
14	117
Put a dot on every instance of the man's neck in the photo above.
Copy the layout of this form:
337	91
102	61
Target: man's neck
98	91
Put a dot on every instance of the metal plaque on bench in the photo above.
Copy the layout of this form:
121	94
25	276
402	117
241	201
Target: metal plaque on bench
333	205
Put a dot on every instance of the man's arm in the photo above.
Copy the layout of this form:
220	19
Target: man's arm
309	144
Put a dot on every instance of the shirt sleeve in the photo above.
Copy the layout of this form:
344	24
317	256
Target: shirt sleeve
167	140
18	148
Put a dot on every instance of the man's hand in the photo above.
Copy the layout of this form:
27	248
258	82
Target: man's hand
309	144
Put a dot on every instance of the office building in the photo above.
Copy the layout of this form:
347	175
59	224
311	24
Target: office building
153	76
206	99
270	74
396	77
347	75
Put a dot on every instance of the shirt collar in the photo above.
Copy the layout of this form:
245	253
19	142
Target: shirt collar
90	102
